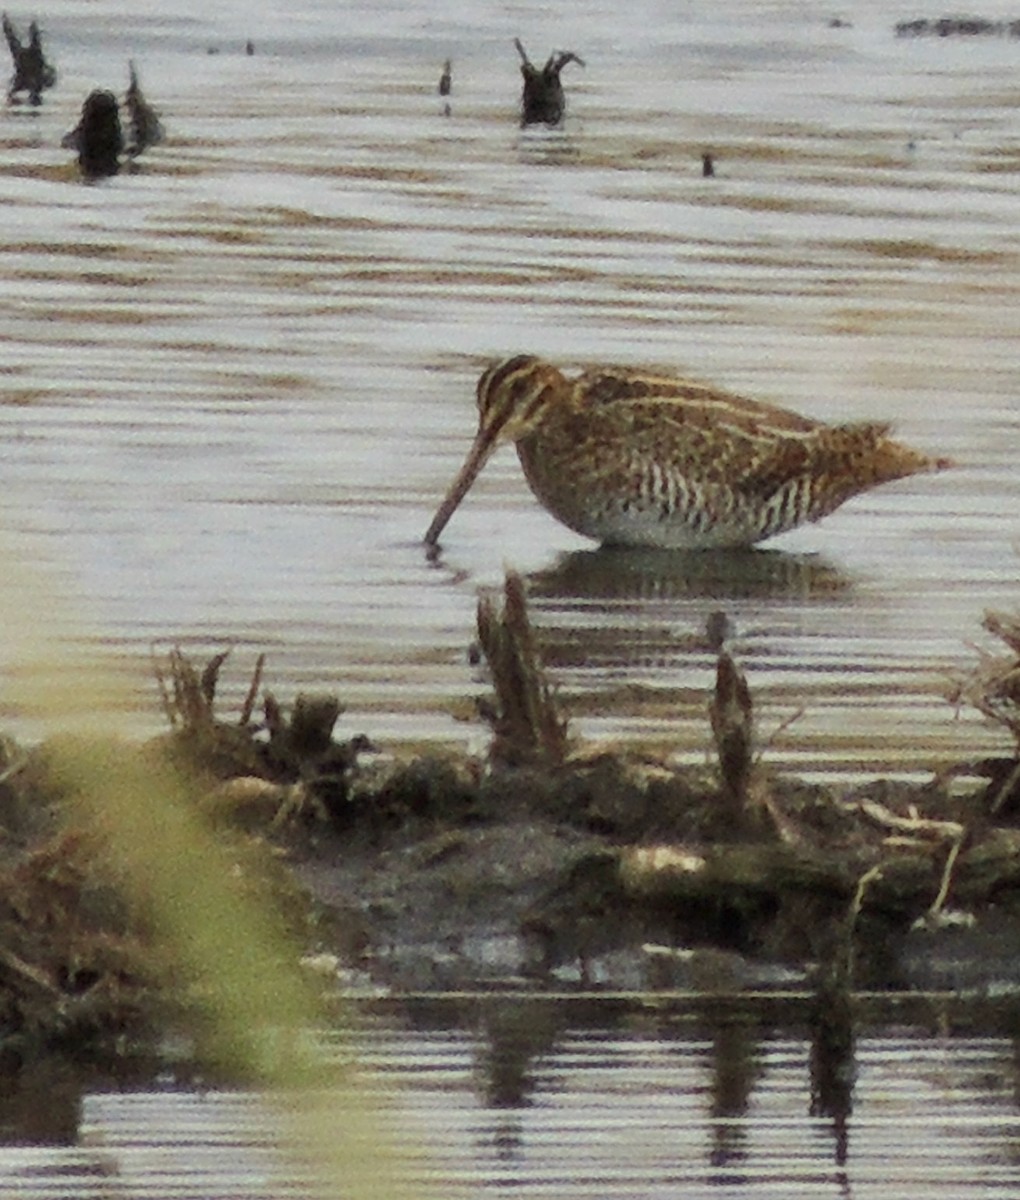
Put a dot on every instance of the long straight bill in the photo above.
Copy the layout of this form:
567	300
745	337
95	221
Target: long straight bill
477	457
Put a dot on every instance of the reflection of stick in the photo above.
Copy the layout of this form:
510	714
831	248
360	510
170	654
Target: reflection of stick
1000	796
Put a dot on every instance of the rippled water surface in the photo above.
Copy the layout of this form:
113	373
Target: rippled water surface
234	385
592	1099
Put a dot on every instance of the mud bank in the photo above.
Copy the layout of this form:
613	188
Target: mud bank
621	874
545	864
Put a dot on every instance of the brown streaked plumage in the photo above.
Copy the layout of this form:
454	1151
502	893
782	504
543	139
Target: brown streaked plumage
637	458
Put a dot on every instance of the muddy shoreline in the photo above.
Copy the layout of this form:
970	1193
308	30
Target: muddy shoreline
543	865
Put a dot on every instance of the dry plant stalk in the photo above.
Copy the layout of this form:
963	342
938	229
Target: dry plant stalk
189	696
993	687
732	716
527	725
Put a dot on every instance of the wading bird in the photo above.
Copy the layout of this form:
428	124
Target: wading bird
635	458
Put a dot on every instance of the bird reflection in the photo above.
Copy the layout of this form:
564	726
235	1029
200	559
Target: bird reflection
610	607
629	573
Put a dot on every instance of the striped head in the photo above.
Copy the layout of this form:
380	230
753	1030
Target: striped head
513	396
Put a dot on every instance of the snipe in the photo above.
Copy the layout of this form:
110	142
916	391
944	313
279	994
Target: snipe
635	458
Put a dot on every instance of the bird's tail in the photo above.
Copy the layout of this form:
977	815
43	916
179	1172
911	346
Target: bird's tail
850	459
869	455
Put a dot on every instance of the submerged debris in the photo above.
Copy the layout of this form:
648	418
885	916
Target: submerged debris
957	27
542	98
145	128
99	136
446	86
32	73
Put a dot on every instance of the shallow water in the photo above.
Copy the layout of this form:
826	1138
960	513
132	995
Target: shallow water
586	1098
235	384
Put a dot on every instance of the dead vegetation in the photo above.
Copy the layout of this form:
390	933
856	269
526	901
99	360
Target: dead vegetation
286	762
82	966
820	870
731	714
526	724
542	98
72	968
993	689
728	855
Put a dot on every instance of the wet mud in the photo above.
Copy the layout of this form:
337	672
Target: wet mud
545	863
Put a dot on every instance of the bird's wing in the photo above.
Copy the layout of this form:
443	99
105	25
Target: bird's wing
825	451
674	416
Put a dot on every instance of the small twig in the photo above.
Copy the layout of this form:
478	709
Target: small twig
164	690
780	729
869	877
1005	627
947	874
253	690
26	971
187	690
